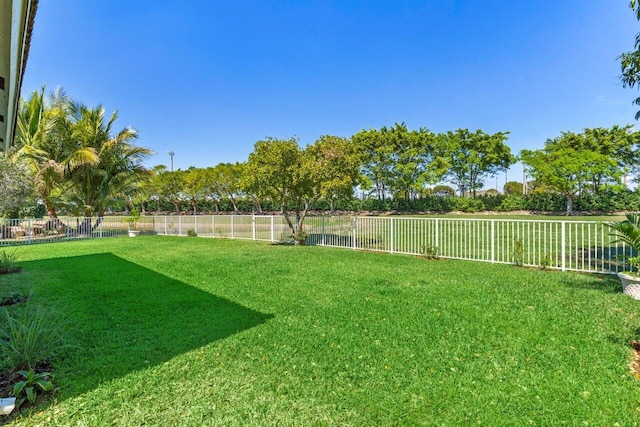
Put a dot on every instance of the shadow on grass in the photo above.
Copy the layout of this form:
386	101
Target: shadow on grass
126	317
602	282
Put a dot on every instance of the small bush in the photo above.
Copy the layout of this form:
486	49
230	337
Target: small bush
31	336
512	203
301	237
469	205
545	262
192	233
517	256
429	252
8	262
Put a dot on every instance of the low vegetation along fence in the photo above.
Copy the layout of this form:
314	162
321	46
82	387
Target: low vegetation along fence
565	245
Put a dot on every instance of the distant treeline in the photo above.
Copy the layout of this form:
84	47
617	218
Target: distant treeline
535	202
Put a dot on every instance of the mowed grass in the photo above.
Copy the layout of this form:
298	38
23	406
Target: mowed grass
194	331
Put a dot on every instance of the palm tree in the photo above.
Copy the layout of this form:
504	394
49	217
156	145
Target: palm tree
118	171
41	139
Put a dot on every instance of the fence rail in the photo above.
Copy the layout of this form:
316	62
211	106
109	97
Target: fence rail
565	245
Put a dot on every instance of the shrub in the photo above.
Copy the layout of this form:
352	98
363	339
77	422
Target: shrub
192	233
545	261
8	262
429	252
301	237
469	205
31	336
517	255
512	203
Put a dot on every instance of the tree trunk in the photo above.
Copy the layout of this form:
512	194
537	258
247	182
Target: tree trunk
569	204
235	205
51	211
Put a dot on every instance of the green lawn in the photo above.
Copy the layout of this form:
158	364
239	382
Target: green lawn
183	331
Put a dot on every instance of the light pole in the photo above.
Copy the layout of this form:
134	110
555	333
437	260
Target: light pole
171	154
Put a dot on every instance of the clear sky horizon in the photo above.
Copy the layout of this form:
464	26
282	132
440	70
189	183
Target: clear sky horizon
207	79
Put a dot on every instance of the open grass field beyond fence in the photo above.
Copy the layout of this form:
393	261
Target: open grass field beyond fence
175	331
557	244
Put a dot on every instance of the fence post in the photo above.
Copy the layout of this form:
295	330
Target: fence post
392	239
67	229
564	243
179	225
272	230
322	241
195	224
233	234
253	226
493	241
165	225
101	221
29	232
355	225
437	235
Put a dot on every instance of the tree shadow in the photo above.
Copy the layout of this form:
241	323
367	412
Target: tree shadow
606	283
125	317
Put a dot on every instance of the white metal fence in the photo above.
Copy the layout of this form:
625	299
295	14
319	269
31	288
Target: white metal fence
28	231
565	245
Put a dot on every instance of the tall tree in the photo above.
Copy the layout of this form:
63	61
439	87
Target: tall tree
513	188
396	159
573	163
467	158
194	186
295	178
169	186
229	177
377	158
118	169
42	141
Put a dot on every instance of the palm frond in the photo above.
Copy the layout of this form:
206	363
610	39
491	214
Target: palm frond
628	231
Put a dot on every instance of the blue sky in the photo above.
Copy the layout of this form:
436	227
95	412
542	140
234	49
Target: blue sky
207	79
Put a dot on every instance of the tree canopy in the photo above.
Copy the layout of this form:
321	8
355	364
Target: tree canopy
396	160
630	61
76	159
590	161
296	177
468	158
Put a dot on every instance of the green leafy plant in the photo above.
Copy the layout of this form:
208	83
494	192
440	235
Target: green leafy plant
132	219
301	237
192	233
8	262
30	336
545	262
429	252
13	298
628	232
517	255
26	389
